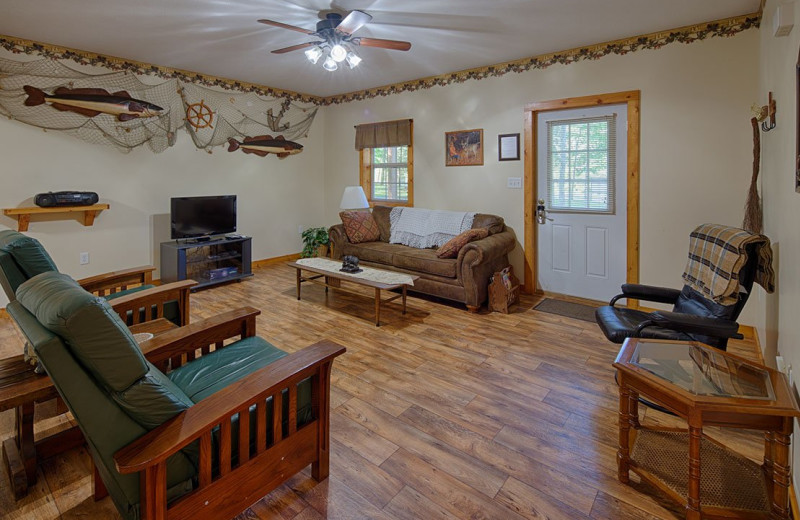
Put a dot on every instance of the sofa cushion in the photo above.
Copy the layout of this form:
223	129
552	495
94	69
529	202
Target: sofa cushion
454	245
27	252
212	372
360	226
493	223
378	252
424	261
381	216
88	324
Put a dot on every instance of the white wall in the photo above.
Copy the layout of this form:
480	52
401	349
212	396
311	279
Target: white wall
778	319
696	145
274	196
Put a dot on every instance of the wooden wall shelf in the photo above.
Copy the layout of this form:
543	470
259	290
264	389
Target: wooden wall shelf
23	215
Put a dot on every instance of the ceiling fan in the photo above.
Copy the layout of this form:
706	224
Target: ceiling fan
336	37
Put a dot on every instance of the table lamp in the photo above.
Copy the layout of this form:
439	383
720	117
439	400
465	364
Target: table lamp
353	198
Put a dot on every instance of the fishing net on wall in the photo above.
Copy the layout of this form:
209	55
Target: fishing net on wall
210	116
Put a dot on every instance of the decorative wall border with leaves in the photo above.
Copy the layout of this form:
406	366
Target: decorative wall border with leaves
689	34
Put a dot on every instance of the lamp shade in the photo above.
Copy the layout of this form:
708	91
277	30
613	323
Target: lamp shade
353	198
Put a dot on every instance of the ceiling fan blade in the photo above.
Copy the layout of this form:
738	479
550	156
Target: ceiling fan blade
294	47
286	26
395	45
353	22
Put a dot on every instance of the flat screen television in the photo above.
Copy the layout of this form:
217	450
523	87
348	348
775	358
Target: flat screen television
194	217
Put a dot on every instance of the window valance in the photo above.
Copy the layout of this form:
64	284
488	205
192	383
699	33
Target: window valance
384	134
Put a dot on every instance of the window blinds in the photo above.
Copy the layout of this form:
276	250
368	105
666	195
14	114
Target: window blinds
581	164
385	134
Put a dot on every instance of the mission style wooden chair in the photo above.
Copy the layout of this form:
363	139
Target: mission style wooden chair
211	420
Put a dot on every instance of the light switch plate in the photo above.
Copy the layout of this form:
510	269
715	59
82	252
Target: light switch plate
514	182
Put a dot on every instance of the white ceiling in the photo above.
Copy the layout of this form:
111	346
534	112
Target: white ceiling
222	38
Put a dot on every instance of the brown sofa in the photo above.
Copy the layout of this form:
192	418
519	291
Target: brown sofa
463	279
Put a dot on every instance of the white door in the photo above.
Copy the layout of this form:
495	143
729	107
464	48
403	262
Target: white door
582	179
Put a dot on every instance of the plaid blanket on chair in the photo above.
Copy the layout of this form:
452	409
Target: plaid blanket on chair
717	254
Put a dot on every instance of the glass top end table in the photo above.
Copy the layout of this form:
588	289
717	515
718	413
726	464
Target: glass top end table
703	370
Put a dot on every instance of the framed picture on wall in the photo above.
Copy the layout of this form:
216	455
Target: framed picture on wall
508	147
463	148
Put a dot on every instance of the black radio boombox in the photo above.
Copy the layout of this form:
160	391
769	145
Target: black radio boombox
65	198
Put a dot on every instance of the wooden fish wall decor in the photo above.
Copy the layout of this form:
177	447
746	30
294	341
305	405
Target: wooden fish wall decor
93	101
263	145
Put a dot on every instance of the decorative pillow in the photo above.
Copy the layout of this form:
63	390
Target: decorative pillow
360	226
454	245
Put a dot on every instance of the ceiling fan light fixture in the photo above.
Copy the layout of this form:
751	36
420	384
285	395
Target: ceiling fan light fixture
313	54
329	64
353	59
338	53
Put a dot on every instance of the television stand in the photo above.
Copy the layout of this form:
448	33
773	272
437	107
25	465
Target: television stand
209	262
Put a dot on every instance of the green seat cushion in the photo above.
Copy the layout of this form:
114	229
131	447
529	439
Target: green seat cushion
96	336
88	324
27	252
213	372
172	310
21	258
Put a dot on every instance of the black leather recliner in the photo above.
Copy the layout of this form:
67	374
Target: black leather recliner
694	317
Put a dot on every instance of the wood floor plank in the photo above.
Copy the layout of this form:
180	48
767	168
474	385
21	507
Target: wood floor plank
531	503
461	466
449	492
364	441
410	504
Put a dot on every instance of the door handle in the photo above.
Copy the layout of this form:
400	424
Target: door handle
541	212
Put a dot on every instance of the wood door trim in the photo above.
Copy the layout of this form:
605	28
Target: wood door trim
632	99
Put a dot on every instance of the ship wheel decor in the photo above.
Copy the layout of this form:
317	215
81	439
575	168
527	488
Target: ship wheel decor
199	115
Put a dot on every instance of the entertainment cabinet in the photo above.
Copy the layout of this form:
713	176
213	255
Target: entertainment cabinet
211	262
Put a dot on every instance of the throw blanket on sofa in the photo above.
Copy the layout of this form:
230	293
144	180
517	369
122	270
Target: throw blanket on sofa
421	228
717	253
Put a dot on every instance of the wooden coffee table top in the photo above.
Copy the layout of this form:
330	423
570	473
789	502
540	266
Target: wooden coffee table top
335	273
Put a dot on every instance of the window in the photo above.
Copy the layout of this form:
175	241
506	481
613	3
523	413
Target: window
581	164
387	162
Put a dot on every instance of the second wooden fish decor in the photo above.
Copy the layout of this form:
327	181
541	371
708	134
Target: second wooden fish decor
93	101
263	145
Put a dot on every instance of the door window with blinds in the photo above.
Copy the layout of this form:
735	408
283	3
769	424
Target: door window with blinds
581	164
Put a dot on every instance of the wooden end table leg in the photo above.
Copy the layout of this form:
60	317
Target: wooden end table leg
769	438
299	281
633	397
693	499
19	452
623	454
404	298
781	476
377	307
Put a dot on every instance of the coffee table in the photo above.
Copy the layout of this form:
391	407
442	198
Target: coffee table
21	388
707	387
327	273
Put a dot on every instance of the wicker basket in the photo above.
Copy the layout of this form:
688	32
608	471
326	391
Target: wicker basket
503	290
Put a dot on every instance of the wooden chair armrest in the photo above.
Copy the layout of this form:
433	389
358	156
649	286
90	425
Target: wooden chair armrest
154	297
157	445
189	338
103	283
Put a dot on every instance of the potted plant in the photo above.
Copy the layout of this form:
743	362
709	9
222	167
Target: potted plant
315	242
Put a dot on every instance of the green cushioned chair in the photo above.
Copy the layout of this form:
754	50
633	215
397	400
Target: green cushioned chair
198	439
138	300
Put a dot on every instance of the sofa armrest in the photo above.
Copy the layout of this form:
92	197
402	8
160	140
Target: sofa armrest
200	335
488	249
337	240
102	284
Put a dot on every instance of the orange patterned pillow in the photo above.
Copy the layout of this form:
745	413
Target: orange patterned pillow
454	245
360	226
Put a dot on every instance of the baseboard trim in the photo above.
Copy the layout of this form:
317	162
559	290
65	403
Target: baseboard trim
276	260
4	313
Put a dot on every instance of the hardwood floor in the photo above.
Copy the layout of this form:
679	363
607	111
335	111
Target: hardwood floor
439	414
